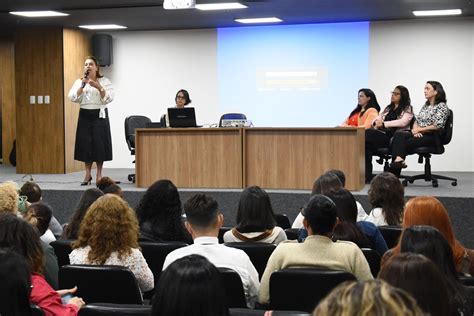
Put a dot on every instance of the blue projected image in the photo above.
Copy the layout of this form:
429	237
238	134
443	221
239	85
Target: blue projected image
293	75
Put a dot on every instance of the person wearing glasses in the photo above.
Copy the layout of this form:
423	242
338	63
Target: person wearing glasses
395	117
182	99
366	110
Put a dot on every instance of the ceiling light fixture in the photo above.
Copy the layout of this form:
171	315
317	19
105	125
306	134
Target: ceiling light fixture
38	14
220	6
437	12
259	20
103	27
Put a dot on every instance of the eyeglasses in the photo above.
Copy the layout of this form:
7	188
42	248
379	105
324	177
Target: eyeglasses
395	93
181	97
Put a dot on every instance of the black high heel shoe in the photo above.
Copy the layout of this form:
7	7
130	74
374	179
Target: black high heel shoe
87	182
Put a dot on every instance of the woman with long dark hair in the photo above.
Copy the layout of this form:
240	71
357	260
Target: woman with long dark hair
386	195
365	112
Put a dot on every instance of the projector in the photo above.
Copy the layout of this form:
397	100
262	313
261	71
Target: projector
179	4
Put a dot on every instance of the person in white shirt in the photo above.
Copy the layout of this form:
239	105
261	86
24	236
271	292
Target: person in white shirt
203	221
93	140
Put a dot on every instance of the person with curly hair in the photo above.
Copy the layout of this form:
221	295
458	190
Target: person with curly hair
160	214
8	197
108	235
386	195
107	185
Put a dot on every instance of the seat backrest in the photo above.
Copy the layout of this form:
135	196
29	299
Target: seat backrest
36	310
391	234
131	123
62	249
303	288
101	284
258	252
373	258
447	132
106	309
232	116
233	287
283	221
292	233
261	312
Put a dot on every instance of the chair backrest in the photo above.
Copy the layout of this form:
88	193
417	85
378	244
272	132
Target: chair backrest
447	132
258	252
292	233
62	249
373	258
36	310
101	284
232	116
261	312
106	309
283	221
131	123
233	287
391	234
303	288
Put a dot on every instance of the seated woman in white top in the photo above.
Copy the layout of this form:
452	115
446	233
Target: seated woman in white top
108	235
255	219
386	195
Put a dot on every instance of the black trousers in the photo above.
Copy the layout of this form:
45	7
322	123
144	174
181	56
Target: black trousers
374	139
403	143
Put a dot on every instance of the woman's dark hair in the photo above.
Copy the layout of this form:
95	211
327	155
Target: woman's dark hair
346	209
190	286
160	207
15	285
31	190
428	241
387	192
440	95
420	277
373	103
405	102
186	96
254	213
340	174
88	197
104	182
326	183
39	214
21	237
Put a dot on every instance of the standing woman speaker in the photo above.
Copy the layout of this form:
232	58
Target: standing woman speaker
93	140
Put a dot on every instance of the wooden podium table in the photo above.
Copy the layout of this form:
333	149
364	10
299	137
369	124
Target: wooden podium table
273	158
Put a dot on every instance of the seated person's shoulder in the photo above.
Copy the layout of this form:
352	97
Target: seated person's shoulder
346	244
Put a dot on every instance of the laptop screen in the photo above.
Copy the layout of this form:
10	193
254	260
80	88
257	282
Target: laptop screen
184	117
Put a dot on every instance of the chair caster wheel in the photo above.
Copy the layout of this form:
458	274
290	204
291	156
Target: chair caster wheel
411	181
405	183
455	183
130	177
435	184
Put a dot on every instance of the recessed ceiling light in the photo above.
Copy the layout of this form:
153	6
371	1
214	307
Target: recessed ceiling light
259	20
103	27
38	14
437	12
220	6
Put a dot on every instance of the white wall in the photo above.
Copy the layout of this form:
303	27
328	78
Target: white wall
149	67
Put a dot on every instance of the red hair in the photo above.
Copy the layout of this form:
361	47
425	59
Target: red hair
428	210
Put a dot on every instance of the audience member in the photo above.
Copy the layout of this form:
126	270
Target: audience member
71	230
108	235
9	197
15	285
107	185
318	249
255	219
420	277
368	298
190	286
386	195
23	238
159	213
203	221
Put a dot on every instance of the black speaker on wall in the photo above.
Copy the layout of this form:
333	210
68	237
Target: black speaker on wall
102	48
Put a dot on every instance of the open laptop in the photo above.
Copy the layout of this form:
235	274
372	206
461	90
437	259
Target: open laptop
184	117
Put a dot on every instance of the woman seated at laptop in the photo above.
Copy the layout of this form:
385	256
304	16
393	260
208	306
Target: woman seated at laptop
182	99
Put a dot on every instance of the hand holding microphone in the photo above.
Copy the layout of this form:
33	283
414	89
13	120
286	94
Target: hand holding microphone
85	79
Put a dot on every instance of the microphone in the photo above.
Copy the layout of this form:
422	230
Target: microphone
86	74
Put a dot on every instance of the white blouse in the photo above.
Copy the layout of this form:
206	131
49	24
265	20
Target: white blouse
90	98
135	262
376	217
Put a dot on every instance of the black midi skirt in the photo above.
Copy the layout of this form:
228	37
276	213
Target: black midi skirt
93	139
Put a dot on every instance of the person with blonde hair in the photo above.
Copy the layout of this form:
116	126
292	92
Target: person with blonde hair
368	298
108	235
8	197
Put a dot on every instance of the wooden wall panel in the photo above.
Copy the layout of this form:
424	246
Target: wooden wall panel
76	46
7	97
40	127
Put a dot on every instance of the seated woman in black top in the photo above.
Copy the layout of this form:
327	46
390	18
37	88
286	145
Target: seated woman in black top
395	117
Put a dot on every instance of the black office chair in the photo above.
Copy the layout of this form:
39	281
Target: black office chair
233	288
424	153
261	312
36	310
391	234
292	233
62	249
283	221
385	155
232	116
373	258
101	284
106	309
258	252
131	123
303	288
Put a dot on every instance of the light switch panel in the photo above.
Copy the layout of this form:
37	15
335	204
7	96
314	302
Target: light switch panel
32	99
40	99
